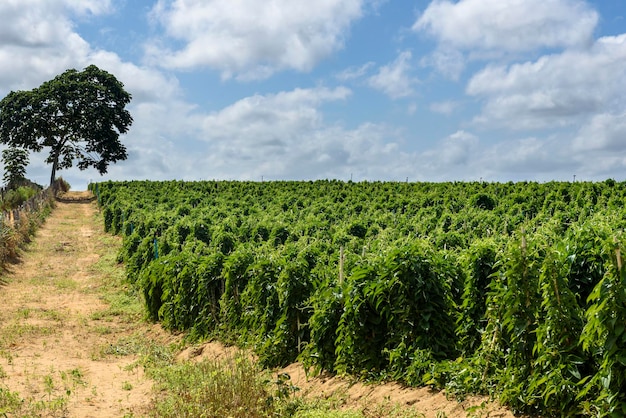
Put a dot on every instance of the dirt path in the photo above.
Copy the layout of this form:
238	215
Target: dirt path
58	337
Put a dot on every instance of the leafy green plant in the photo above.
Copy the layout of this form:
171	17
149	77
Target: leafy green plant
471	287
480	265
604	337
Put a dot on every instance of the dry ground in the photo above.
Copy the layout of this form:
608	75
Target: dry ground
60	336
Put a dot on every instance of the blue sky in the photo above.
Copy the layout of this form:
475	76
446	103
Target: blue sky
499	90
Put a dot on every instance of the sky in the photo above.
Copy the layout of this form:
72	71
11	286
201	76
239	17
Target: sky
362	90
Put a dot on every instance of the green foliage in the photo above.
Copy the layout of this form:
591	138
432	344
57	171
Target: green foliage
327	306
393	307
479	264
16	197
603	336
29	208
293	289
78	115
235	388
514	290
558	358
15	161
483	201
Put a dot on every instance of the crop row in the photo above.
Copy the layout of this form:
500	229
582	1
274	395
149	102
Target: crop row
511	289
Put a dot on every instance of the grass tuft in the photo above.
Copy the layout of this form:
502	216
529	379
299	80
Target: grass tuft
233	388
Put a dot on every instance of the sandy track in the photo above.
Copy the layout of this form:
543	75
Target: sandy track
57	335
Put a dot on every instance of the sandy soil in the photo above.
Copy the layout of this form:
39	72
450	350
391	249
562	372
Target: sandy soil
56	333
57	342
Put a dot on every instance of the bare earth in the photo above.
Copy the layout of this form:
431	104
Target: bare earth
58	336
56	325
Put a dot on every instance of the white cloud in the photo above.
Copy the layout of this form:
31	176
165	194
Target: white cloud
463	156
554	91
448	61
89	7
458	147
522	156
395	79
484	30
275	136
605	134
453	154
445	108
146	84
261	118
509	25
37	40
252	39
354	73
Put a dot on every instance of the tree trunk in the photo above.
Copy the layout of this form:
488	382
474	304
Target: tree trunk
55	153
55	163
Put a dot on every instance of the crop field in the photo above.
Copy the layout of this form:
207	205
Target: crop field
516	290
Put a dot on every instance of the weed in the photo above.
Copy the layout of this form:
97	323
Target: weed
9	401
65	283
102	330
53	315
234	388
122	305
23	313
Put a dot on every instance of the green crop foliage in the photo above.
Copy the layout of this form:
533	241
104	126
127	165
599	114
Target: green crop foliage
510	289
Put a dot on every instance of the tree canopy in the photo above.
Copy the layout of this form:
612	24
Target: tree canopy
15	161
78	116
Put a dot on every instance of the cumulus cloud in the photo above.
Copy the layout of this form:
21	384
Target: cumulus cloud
87	7
487	29
457	147
395	79
605	133
556	90
37	40
451	156
275	135
252	39
448	61
510	25
526	155
146	84
271	116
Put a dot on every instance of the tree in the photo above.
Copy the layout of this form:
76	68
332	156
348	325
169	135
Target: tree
77	115
15	161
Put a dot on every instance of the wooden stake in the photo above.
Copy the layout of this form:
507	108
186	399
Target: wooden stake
618	255
341	261
299	340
